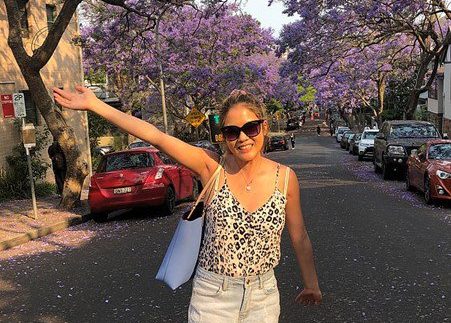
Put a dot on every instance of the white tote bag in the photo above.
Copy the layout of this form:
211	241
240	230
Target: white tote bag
181	257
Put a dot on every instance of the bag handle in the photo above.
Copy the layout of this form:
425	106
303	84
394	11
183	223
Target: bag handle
204	190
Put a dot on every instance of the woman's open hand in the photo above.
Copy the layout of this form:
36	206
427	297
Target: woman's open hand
82	99
309	296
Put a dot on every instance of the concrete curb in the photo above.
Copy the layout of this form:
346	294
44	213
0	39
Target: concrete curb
43	231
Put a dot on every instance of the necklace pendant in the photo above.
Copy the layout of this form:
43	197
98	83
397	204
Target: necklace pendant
248	188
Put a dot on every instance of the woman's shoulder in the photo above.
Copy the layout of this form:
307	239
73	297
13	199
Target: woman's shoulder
273	165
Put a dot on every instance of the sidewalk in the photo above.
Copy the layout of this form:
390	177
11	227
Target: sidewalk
17	228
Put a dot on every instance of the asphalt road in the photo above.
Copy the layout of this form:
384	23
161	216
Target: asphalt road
381	254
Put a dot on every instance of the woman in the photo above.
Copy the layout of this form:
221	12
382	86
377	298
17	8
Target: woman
252	199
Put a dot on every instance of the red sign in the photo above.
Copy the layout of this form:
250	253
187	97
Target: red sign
7	105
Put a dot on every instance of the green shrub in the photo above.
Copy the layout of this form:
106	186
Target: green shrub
14	182
44	189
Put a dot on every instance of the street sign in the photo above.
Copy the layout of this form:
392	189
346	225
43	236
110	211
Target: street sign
195	117
7	105
29	135
19	105
215	131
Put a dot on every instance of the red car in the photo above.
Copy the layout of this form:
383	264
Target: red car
136	178
429	170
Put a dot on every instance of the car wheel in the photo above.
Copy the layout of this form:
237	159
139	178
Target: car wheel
409	186
195	192
100	217
169	201
427	191
386	171
360	157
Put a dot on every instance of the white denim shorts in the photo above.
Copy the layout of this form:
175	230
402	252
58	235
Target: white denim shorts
217	298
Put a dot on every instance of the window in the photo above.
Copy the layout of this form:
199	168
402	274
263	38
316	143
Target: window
30	107
50	10
126	161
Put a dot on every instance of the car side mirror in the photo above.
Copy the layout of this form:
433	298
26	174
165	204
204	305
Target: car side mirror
414	153
380	135
445	136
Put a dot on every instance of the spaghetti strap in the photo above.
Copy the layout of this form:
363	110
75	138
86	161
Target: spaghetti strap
277	175
287	177
221	164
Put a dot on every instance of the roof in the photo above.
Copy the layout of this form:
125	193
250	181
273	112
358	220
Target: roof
439	141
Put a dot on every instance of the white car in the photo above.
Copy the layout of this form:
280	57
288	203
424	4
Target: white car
366	144
340	132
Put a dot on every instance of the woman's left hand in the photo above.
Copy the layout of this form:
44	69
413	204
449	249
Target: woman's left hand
309	296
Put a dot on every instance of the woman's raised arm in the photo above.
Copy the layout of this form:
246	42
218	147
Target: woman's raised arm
200	161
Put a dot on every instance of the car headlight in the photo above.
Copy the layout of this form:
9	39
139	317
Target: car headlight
443	175
396	151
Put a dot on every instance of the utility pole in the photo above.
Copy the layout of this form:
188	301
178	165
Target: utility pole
160	67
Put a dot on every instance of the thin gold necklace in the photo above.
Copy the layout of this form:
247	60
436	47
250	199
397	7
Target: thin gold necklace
248	186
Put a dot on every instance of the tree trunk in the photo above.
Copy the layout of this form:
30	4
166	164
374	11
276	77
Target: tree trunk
419	88
77	167
30	67
381	86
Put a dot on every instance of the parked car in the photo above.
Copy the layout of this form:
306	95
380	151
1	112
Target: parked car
292	124
137	178
340	131
354	144
366	144
205	144
429	170
277	142
396	140
344	139
138	143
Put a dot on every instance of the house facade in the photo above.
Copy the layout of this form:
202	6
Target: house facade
63	70
439	96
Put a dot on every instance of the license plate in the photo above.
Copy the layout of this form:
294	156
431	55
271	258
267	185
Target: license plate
122	190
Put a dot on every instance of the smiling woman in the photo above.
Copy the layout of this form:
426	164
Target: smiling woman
250	202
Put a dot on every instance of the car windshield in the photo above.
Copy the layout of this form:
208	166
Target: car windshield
440	151
276	138
125	161
342	130
369	135
347	134
413	131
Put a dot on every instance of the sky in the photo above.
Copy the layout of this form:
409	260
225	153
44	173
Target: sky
268	16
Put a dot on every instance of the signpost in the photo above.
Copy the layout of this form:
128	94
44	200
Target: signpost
20	110
195	117
7	105
29	141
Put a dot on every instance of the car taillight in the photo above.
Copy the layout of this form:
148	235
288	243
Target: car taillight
159	173
93	184
152	180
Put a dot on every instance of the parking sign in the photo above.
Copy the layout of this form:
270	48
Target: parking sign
19	105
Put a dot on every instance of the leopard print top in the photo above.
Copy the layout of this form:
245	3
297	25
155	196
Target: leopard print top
238	243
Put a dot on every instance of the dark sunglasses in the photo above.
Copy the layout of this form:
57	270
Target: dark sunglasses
250	129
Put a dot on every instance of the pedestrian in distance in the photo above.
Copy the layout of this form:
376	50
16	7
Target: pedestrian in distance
292	139
249	204
318	130
59	166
